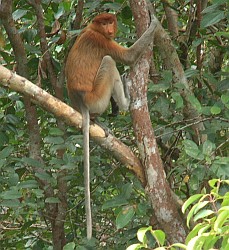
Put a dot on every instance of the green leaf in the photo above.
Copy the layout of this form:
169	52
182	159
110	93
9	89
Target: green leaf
19	13
59	13
215	110
43	176
200	205
222	161
56	132
195	44
142	208
2	163
135	247
192	150
28	184
29	36
124	217
112	6
4	139
225	200
127	190
225	98
212	18
52	200
179	245
211	8
32	162
6	152
32	49
54	140
191	72
196	243
12	119
206	226
203	214
11	195
10	203
162	106
178	99
195	231
13	179
225	241
126	13
38	192
221	171
195	209
222	33
28	224
210	241
195	102
117	201
158	88
190	200
221	219
212	183
159	236
208	147
69	246
141	234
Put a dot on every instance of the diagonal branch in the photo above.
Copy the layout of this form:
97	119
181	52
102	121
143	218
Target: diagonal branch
120	151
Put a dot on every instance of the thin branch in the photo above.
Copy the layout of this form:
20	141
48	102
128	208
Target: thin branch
187	125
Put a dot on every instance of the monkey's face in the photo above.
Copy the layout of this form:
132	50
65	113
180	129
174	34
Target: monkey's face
108	29
106	24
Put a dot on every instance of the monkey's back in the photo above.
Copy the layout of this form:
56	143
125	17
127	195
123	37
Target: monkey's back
84	60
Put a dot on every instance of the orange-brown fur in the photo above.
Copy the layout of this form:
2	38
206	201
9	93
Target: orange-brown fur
87	53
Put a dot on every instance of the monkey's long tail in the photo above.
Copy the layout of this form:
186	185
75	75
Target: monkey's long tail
86	124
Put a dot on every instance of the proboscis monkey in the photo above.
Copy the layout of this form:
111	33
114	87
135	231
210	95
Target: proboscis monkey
92	78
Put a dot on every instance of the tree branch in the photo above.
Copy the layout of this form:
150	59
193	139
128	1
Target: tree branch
120	151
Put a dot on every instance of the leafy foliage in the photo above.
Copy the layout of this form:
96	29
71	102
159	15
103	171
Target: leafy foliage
120	205
209	211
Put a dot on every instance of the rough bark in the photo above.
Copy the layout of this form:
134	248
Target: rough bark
158	190
58	218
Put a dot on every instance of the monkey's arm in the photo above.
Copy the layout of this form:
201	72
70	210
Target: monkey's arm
130	55
136	50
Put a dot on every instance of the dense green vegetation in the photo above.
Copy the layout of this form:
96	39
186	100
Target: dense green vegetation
32	179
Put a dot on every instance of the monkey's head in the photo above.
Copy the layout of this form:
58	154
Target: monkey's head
106	24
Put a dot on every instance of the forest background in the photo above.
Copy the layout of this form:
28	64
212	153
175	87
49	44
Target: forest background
171	147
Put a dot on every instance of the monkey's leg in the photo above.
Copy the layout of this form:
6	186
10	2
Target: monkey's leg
121	91
98	99
126	85
114	108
